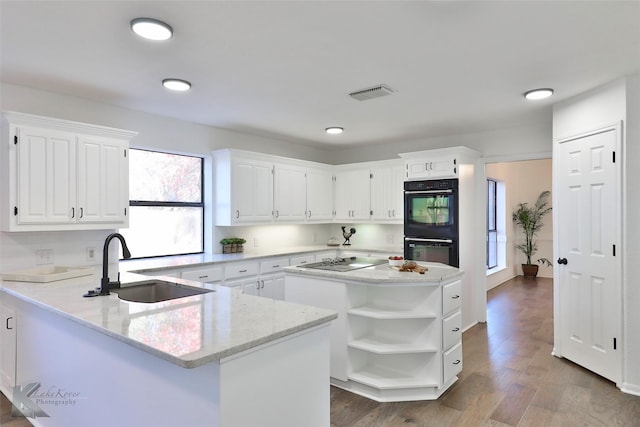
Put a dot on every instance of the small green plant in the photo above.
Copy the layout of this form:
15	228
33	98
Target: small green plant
529	218
232	241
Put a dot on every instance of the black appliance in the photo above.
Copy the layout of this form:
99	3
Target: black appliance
432	250
431	221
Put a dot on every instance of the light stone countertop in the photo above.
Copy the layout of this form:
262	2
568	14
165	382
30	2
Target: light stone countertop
384	275
196	260
188	332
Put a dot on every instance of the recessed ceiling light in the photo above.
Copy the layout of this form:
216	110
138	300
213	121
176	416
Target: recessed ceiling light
536	94
334	130
151	29
176	84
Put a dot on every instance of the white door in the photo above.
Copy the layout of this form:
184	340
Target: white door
588	288
252	191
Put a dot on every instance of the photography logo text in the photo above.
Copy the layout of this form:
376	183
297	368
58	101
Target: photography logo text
29	400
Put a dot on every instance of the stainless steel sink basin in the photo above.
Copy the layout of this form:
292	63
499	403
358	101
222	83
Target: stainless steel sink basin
157	291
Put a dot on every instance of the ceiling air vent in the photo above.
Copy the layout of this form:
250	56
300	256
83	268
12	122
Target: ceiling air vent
372	92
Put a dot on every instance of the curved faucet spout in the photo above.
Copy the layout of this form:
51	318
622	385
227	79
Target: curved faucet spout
105	283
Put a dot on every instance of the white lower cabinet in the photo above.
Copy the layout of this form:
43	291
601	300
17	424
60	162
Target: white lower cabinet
8	345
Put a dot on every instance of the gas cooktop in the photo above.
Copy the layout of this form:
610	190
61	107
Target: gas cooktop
344	264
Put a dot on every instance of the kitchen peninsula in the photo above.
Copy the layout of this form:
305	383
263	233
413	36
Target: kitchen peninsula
220	358
398	334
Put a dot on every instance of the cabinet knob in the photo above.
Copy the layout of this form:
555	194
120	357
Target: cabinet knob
562	261
237	214
7	324
457	362
455	297
455	329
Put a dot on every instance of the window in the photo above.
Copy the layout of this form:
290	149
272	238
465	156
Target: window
492	224
166	214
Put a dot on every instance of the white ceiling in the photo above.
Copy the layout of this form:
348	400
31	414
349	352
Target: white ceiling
283	69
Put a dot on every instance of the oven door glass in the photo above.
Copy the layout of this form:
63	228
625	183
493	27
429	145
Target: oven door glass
432	250
431	209
431	214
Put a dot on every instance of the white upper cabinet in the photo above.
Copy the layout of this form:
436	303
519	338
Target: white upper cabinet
319	194
258	188
61	175
289	193
102	166
353	194
251	190
431	168
387	191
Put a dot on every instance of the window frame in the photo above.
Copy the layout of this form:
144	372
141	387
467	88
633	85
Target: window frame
201	205
492	204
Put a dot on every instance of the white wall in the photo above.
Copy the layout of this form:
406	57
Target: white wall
615	102
524	181
532	141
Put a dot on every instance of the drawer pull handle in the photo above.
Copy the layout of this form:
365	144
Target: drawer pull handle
455	297
275	266
243	271
9	318
202	277
457	362
455	329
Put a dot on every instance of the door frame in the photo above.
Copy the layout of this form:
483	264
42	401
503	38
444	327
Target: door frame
618	128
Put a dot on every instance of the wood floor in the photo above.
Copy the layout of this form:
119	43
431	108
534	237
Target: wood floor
509	377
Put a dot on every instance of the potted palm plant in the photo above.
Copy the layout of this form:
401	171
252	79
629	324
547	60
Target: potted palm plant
529	219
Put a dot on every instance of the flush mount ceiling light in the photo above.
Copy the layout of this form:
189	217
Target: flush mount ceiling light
536	94
176	84
334	130
151	29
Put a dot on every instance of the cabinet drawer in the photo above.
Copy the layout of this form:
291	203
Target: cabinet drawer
301	260
451	333
273	265
231	271
452	362
451	298
212	274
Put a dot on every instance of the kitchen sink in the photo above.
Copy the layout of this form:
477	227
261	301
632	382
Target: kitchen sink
157	291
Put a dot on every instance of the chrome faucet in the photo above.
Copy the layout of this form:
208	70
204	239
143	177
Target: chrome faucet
105	283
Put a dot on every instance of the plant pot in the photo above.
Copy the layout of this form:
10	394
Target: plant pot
530	270
227	249
238	248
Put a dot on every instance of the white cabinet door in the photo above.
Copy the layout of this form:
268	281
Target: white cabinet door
432	168
353	197
46	176
443	168
387	193
251	287
252	196
103	184
290	193
319	195
8	337
272	287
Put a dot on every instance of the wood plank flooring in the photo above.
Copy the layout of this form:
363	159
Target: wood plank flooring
509	377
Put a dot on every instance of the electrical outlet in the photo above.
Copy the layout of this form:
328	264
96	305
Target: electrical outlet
91	254
44	256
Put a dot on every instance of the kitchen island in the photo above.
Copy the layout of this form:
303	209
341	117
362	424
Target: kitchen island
398	334
220	358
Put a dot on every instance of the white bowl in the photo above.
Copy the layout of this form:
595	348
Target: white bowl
396	262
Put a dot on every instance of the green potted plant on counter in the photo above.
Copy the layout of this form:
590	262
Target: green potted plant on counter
232	245
529	219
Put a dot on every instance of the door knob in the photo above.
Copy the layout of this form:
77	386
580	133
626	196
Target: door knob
562	261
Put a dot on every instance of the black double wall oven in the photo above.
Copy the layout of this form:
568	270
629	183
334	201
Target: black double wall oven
431	221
